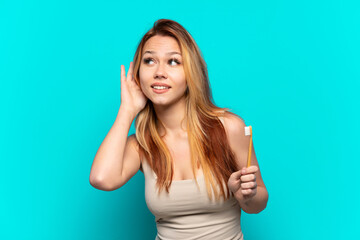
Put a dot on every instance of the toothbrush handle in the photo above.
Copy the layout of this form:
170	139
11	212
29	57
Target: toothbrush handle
249	152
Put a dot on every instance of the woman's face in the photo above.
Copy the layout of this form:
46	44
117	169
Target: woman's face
162	76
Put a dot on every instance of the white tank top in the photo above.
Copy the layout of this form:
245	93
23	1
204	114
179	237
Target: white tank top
186	212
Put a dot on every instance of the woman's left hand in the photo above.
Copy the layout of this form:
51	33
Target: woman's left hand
243	183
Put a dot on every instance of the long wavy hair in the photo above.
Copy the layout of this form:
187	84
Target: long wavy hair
208	142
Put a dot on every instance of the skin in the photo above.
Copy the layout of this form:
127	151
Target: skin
160	66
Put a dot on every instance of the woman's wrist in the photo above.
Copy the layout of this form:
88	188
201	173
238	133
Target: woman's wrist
255	204
129	112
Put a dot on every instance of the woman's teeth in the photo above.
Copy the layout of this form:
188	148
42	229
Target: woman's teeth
160	87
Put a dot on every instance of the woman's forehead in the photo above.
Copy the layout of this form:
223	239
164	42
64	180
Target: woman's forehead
161	45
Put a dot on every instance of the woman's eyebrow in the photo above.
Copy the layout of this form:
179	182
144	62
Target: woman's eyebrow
169	53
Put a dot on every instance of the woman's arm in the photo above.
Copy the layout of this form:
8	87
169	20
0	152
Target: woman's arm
257	203
115	153
117	160
251	192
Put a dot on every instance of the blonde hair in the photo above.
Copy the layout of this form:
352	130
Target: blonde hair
209	146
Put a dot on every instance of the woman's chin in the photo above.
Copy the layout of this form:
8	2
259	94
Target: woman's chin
165	101
160	103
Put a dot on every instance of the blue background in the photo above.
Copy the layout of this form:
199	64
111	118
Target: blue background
289	68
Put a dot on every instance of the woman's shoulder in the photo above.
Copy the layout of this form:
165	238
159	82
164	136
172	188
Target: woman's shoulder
232	122
234	126
131	139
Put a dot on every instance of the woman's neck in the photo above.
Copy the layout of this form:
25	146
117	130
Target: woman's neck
172	117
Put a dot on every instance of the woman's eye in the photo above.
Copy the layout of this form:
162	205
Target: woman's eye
171	61
147	60
174	60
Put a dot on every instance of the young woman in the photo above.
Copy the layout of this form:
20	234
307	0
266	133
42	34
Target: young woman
193	154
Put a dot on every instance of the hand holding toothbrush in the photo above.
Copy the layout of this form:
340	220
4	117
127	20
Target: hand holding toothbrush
243	182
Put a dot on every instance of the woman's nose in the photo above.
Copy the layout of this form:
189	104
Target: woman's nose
160	71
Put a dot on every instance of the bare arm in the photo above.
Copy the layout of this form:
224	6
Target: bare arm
107	167
117	159
251	192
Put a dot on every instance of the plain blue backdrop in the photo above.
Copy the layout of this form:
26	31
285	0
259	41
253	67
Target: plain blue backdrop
289	68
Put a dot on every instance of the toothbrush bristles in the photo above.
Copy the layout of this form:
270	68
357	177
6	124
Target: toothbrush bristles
247	131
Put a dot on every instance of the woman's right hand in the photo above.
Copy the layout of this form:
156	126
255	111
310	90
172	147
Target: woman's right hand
132	97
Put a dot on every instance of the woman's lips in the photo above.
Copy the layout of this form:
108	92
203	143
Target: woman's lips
159	84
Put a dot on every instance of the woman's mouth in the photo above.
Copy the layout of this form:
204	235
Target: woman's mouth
160	89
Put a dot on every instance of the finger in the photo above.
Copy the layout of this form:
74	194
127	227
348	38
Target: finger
246	191
251	169
122	73
248	177
130	72
236	175
248	185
